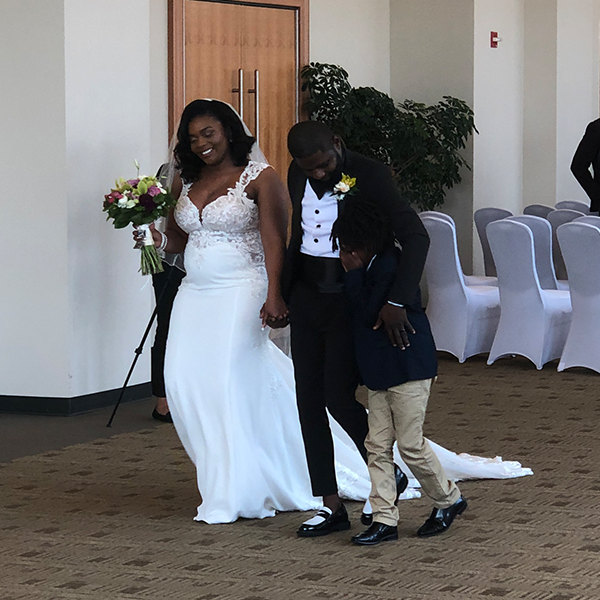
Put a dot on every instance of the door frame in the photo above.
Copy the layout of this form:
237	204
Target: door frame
176	46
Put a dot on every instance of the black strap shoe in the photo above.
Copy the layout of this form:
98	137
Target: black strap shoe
441	518
325	522
377	533
366	518
164	418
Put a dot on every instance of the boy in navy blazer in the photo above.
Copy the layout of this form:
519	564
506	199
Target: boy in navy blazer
399	379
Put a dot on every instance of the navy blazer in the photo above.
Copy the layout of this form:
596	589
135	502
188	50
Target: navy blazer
382	365
586	155
375	184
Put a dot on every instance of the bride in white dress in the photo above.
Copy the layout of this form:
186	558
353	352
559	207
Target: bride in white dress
230	389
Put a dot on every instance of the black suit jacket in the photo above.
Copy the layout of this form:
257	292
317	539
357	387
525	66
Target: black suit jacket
375	184
382	365
588	153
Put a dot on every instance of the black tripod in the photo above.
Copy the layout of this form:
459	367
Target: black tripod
140	348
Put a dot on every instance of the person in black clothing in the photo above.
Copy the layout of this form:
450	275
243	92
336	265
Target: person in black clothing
586	155
313	287
165	287
399	378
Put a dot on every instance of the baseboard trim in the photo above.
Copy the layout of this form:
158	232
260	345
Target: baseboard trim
40	405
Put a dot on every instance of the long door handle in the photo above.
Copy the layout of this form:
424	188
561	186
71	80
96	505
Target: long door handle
240	90
256	92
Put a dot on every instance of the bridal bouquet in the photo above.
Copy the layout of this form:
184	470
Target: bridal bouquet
139	202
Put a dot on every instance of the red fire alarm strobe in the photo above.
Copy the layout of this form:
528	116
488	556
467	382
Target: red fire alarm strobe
494	39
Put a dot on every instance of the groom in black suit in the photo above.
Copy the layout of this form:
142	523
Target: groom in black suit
321	331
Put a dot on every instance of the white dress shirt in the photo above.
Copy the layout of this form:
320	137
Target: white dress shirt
318	216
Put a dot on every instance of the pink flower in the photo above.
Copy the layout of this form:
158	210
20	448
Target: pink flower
153	191
133	182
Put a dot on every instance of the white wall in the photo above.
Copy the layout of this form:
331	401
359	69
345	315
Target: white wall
432	56
578	78
34	313
539	102
354	34
498	106
108	95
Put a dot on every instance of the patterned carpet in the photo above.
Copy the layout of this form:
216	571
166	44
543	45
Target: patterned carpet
112	519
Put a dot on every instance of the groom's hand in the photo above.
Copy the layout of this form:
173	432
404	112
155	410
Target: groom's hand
396	324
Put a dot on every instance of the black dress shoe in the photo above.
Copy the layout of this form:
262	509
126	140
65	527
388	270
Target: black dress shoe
164	418
401	484
337	521
378	532
441	518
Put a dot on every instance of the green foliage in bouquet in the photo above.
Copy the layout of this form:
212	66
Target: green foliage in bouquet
421	144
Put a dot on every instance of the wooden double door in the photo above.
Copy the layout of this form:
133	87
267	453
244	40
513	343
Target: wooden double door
248	55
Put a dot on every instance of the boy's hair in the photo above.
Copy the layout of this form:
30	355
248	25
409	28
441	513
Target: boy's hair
362	225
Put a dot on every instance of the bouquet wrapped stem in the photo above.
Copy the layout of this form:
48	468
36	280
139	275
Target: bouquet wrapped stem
151	262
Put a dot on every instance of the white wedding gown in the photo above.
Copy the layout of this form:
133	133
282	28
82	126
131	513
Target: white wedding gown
231	390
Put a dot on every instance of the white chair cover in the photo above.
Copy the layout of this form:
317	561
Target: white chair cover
573	205
438	215
537	210
482	217
542	241
533	322
580	244
589	219
469	279
557	218
463	318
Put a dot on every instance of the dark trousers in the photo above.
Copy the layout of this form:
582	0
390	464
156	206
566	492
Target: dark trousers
168	281
326	377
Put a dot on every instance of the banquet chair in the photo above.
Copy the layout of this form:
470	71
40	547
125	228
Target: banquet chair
580	244
589	219
537	210
534	322
469	279
557	218
542	241
463	317
482	217
573	205
437	215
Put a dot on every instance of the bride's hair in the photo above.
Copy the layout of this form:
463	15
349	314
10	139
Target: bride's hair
240	143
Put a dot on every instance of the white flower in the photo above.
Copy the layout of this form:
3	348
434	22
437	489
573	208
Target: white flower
122	202
341	187
131	202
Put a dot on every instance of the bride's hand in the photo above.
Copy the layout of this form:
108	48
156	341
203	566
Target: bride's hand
138	237
274	311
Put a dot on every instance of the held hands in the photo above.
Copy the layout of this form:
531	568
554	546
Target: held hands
274	312
138	237
396	324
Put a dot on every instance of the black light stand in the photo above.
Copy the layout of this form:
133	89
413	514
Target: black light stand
140	348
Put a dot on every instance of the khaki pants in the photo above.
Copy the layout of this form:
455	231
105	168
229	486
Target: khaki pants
397	414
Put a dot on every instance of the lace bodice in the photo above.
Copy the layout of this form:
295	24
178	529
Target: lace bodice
231	218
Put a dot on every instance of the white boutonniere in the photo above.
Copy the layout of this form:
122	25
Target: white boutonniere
345	186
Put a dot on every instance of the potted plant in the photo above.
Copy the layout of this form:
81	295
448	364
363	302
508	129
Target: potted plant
420	143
